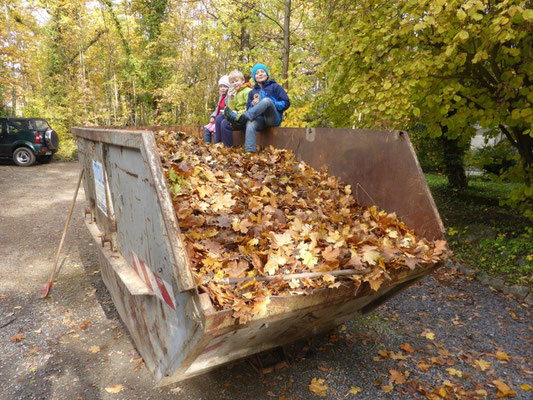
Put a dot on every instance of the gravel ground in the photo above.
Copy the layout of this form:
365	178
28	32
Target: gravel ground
446	337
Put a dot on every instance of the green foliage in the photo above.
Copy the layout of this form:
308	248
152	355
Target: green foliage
448	64
494	159
483	233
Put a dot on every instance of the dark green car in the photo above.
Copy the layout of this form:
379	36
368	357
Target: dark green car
26	140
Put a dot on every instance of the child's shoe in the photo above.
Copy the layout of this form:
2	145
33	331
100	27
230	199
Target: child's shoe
230	115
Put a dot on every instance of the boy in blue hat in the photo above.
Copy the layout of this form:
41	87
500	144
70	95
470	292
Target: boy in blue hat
266	103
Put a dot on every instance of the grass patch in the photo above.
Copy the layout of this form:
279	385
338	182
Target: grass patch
483	234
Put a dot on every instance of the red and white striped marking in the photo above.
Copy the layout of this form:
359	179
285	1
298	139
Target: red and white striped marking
161	289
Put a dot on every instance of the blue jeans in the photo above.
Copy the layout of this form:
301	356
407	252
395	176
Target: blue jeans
261	116
207	135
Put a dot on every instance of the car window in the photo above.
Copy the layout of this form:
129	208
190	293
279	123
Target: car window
40	124
22	124
14	128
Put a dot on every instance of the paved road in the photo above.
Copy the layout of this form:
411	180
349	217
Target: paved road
446	337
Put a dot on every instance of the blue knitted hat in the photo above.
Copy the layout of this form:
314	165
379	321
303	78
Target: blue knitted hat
259	66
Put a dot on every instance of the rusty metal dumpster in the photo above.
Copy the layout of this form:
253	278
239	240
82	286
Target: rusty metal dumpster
146	269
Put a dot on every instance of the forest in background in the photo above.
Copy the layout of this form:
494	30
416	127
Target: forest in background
440	69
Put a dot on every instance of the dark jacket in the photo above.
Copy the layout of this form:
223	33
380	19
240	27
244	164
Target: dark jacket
275	92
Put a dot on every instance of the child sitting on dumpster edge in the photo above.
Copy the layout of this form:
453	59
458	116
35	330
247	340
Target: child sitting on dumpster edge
217	116
237	98
263	111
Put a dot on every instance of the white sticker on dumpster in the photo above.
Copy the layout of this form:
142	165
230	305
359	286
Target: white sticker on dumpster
99	185
161	288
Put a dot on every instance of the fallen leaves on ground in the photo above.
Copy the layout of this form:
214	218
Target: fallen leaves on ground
17	338
503	389
355	390
85	325
94	349
255	218
318	387
428	335
114	389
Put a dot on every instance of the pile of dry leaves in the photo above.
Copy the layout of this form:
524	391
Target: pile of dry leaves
264	224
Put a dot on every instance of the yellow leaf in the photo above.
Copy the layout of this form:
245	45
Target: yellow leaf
455	372
94	349
503	356
354	390
387	388
503	389
317	387
114	389
442	392
273	263
370	255
308	258
525	387
483	365
428	335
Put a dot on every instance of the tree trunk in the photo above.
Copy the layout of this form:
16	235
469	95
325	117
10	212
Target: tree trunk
286	44
454	162
245	42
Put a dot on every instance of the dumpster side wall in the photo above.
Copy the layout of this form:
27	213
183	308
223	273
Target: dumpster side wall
161	320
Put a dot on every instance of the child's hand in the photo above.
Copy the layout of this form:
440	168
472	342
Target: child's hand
231	91
212	120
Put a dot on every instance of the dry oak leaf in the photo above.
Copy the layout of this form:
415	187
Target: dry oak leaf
17	338
397	377
503	389
355	390
317	387
525	387
114	389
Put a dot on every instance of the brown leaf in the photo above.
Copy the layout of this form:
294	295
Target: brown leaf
397	377
330	254
85	325
279	240
237	269
407	348
18	337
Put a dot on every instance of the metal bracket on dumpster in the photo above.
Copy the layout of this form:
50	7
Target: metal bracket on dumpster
310	134
127	275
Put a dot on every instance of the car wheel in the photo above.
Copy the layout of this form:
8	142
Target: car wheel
23	157
45	159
